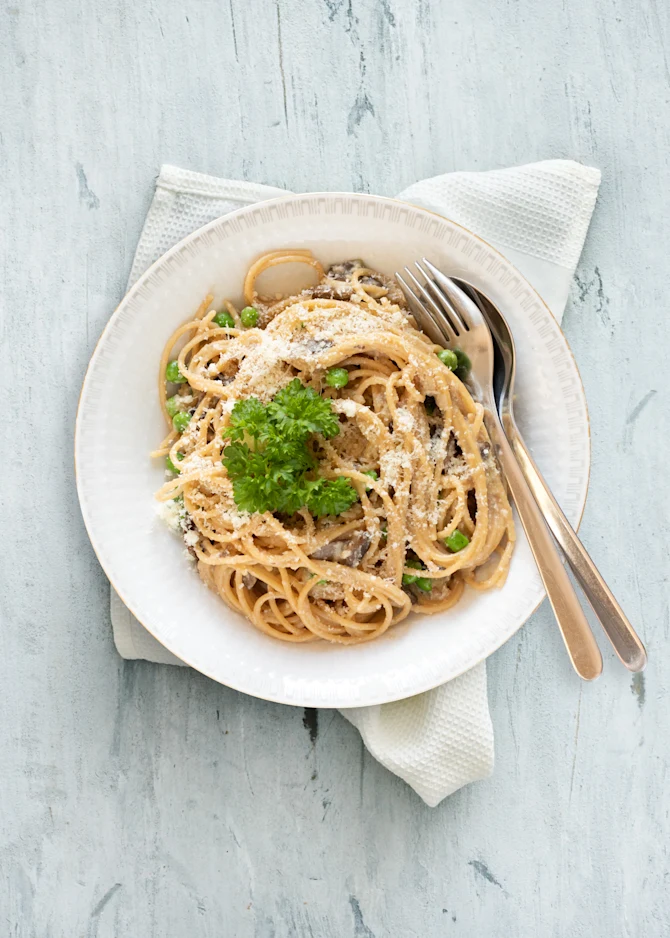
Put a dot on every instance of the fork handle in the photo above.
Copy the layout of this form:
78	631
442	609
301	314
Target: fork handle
577	635
616	626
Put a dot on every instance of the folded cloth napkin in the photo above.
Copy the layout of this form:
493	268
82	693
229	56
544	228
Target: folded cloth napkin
537	216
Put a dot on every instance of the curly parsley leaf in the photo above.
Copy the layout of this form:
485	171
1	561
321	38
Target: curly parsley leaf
252	493
271	474
297	411
237	459
248	417
291	457
331	496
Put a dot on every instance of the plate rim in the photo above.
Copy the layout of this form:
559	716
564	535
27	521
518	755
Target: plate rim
137	286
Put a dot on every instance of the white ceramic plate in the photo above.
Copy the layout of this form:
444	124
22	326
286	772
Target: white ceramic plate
119	422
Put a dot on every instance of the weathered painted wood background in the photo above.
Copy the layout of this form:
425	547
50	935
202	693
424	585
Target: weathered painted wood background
142	801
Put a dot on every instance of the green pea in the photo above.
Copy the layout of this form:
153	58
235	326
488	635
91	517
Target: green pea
249	316
170	466
407	578
180	421
224	320
373	475
173	374
448	358
172	405
337	377
423	583
464	365
457	541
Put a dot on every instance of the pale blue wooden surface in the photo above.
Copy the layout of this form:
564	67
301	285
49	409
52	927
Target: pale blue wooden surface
144	801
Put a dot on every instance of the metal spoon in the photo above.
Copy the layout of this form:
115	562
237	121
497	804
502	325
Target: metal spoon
616	626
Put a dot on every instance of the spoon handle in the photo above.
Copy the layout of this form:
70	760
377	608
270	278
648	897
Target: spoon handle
616	626
577	635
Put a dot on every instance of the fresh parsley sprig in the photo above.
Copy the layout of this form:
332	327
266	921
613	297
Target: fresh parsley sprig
273	473
297	411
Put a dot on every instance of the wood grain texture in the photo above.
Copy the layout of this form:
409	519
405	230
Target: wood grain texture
140	800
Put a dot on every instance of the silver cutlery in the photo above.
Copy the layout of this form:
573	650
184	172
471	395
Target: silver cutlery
616	626
452	319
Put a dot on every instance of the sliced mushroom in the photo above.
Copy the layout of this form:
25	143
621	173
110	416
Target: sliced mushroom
314	346
395	294
331	291
358	548
344	270
330	551
249	581
348	551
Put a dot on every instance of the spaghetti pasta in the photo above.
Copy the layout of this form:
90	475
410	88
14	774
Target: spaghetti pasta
430	514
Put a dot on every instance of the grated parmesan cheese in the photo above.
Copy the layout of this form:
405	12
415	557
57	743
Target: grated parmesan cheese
403	420
168	512
236	518
345	406
391	464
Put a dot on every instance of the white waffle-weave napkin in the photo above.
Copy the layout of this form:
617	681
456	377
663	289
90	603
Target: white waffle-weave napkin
537	215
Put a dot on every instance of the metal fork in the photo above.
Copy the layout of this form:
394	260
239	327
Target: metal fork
625	640
450	318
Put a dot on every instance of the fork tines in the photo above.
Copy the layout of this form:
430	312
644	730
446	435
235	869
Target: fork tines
430	301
